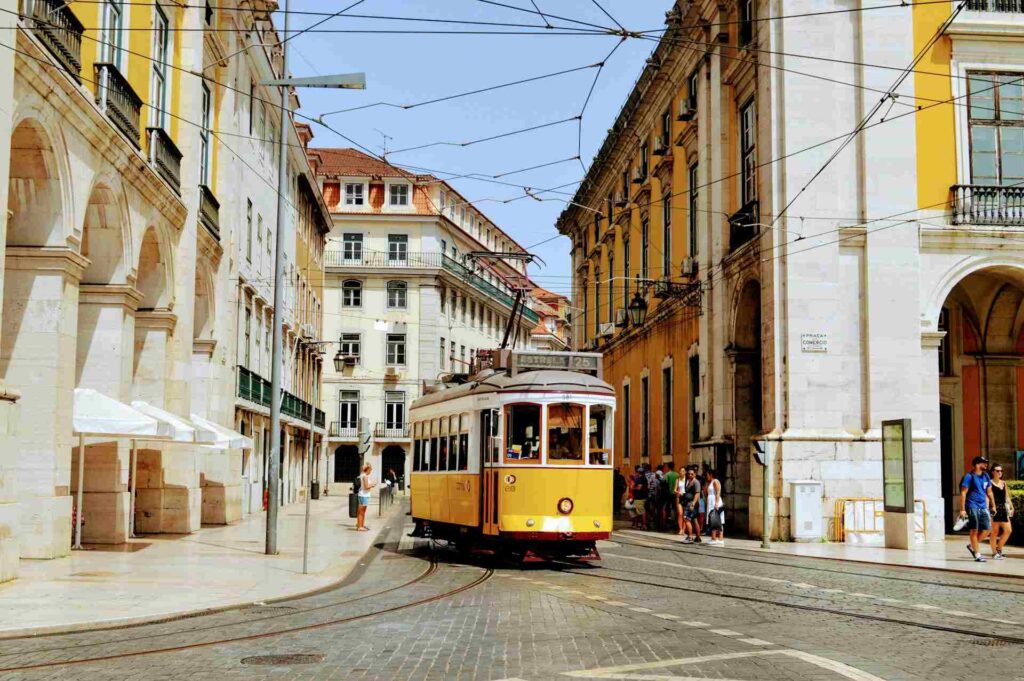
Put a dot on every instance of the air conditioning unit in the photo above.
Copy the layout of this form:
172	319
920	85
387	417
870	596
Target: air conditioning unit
689	266
607	330
639	176
687	112
662	288
621	318
350	360
621	200
660	146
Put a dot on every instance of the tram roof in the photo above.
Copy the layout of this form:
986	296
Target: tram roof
528	381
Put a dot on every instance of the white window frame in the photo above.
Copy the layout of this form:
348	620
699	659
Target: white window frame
206	116
112	33
396	350
351	345
346	404
399	255
351	296
363	194
352	248
390	188
158	87
400	298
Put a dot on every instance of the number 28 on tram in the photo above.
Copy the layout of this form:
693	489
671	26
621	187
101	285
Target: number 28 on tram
515	461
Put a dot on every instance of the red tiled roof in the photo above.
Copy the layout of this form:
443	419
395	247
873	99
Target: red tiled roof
354	163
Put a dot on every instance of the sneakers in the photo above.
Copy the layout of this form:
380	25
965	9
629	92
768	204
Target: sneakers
686	540
971	551
999	556
979	559
716	542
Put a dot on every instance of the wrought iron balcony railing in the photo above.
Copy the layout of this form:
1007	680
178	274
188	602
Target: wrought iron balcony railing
995	5
57	27
343	430
391	431
165	157
255	388
975	204
209	211
743	225
115	96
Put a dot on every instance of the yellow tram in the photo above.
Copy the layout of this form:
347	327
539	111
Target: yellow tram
518	459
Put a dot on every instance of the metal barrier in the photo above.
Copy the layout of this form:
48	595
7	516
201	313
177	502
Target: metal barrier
861	520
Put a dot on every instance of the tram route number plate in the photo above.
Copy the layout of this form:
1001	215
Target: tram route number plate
572	361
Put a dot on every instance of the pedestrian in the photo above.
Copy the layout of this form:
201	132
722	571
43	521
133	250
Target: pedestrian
618	489
975	501
652	495
365	485
688	506
641	490
671	483
715	508
1001	528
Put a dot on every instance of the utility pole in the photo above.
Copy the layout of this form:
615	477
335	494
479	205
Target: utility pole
274	469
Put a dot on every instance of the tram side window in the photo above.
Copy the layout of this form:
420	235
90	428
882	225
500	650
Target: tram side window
464	442
416	450
433	454
600	435
522	433
565	433
442	454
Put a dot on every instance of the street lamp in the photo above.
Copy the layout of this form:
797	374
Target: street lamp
349	81
637	310
339	362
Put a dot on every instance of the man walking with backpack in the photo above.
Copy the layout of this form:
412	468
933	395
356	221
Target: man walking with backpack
975	501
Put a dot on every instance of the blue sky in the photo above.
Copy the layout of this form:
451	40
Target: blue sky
405	69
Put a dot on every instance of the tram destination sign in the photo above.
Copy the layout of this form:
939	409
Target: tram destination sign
586	362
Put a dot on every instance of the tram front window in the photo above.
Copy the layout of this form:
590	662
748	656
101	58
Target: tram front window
600	435
565	433
522	433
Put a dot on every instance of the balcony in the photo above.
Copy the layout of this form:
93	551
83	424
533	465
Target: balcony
467	275
117	99
391	431
975	204
995	5
380	259
343	430
165	157
743	225
256	389
56	27
209	211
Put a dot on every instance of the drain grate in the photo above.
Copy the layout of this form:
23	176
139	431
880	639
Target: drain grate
270	609
283	660
990	642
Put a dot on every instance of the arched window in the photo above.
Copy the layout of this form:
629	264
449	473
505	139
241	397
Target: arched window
397	291
352	293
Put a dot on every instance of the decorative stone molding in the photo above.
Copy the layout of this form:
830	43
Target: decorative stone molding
203	346
156	319
53	258
663	171
932	339
110	294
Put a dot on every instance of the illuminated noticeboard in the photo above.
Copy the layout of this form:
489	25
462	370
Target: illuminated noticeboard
897	466
564	361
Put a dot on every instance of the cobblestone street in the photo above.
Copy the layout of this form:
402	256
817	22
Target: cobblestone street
648	609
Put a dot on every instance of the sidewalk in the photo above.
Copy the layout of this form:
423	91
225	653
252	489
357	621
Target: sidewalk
950	555
158	576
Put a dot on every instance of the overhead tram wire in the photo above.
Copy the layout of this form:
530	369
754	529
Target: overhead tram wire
598	27
586	101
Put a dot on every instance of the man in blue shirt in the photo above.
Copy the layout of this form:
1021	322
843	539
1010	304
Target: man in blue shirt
975	501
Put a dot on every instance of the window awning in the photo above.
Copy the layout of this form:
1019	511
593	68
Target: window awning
225	437
182	429
96	414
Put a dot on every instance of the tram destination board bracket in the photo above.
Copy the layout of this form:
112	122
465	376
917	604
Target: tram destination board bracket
518	361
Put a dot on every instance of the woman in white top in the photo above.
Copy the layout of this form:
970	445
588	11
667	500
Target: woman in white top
716	511
365	485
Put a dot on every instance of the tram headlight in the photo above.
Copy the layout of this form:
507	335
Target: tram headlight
565	505
529	522
597	523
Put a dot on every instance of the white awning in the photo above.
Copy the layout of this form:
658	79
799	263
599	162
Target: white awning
225	437
182	429
96	414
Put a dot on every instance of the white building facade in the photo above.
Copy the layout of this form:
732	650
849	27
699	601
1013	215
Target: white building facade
405	303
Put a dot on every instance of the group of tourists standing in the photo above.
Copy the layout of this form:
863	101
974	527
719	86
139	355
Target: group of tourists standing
663	499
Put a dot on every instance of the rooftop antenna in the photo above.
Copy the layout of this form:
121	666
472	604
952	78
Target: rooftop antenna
386	137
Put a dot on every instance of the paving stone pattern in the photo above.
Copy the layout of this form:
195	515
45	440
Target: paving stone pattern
647	610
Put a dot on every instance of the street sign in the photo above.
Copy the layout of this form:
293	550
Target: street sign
897	466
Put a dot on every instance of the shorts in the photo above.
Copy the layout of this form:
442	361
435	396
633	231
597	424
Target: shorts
691	513
364	501
640	506
979	519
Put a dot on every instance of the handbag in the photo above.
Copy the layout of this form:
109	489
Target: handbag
630	505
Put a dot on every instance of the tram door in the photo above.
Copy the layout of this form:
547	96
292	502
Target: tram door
489	473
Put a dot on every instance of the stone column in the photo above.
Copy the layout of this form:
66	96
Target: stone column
9	513
37	353
168	497
105	348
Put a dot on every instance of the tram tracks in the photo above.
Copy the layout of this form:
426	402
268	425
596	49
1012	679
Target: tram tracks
978	581
432	569
649	579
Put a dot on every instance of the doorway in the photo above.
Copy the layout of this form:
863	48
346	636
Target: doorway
948	468
346	463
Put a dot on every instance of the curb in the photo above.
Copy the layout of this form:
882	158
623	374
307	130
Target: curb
123	623
855	561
